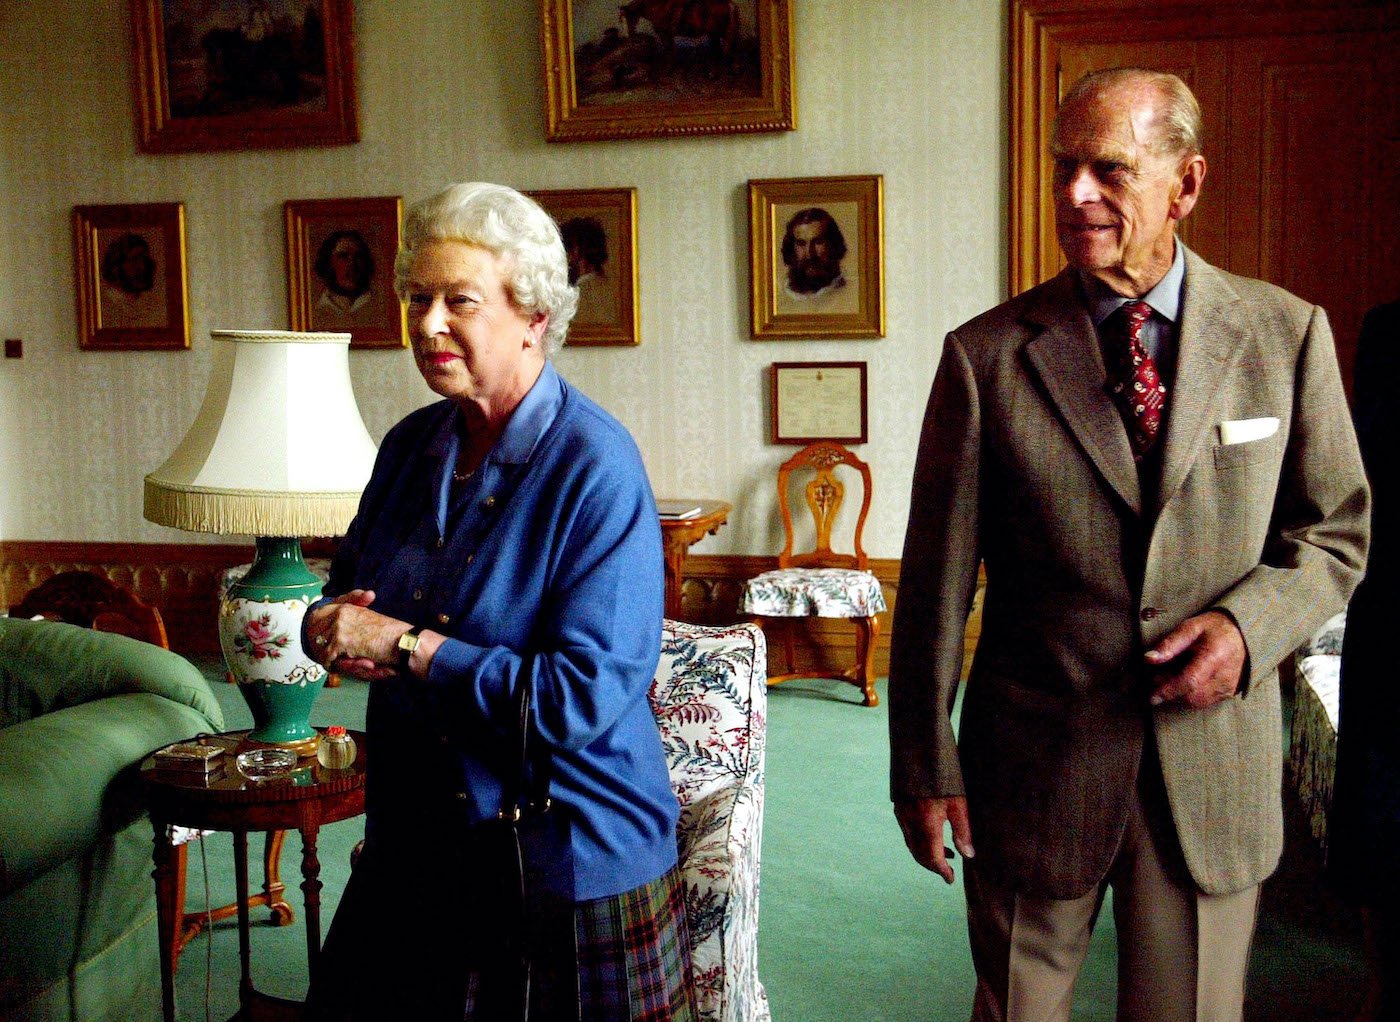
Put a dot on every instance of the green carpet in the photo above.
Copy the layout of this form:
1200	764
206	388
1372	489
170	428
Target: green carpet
851	928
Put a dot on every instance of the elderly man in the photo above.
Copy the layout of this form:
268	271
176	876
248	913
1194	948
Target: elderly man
1154	461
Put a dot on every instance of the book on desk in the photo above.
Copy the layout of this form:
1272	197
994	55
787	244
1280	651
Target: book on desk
677	509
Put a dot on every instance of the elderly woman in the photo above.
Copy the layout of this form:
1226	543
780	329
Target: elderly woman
508	538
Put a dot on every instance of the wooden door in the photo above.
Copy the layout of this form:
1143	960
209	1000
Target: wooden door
1301	105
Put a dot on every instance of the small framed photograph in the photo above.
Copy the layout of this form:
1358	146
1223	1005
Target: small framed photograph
243	74
817	257
599	226
819	401
647	68
340	269
131	284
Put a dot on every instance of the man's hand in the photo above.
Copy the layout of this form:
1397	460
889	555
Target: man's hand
349	638
1205	655
922	819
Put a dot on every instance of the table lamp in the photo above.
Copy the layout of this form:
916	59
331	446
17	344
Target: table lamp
278	451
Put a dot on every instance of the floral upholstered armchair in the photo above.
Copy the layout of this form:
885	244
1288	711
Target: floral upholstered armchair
710	700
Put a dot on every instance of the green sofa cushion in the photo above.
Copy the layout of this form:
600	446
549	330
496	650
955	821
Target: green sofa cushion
48	665
67	775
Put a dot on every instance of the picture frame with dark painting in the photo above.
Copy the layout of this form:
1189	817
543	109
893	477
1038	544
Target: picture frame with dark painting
816	257
340	269
649	68
243	74
599	226
130	277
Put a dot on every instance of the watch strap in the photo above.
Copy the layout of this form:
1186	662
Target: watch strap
408	642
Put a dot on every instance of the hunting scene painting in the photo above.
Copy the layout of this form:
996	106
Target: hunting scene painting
210	69
229	58
665	51
667	67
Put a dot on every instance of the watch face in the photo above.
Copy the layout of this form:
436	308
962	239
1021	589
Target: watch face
408	642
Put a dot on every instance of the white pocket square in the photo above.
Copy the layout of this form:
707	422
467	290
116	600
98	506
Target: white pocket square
1242	431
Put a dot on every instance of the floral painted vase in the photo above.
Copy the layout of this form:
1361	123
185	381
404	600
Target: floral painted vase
260	633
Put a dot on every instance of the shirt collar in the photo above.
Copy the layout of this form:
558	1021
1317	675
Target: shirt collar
1165	296
535	413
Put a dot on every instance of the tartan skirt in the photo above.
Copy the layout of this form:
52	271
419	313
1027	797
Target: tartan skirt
633	957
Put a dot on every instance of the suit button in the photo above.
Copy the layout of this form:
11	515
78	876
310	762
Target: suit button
461	796
489	503
417	594
441	543
1148	613
443	619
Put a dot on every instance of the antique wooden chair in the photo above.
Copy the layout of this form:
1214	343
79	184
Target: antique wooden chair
822	582
90	600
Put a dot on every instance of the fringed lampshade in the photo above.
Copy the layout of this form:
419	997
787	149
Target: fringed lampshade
278	447
277	451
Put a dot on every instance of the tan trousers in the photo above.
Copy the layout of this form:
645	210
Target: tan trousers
1182	955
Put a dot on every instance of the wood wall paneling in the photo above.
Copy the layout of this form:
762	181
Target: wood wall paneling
182	581
1301	102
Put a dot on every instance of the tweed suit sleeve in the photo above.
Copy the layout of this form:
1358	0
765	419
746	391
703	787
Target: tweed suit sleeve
938	577
1319	531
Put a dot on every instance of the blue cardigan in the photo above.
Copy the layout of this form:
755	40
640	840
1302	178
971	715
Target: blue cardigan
546	571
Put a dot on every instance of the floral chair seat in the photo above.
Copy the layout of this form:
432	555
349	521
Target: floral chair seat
1312	748
813	592
710	700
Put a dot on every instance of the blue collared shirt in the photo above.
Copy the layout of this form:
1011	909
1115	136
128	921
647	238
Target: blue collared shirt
543	569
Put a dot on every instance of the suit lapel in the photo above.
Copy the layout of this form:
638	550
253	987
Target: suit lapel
1066	356
1209	342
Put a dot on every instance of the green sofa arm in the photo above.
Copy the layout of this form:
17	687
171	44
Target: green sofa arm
82	709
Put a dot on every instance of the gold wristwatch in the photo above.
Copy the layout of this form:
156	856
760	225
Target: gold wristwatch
408	642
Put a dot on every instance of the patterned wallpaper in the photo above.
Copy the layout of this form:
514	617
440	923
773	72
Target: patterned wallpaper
451	90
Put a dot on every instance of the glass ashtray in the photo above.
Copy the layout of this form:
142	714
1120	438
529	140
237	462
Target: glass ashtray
264	764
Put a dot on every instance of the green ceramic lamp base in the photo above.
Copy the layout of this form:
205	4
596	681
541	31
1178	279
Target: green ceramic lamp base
260	632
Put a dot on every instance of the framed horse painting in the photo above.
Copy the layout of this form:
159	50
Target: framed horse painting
646	68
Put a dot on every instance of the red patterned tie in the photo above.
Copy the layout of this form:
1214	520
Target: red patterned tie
1139	390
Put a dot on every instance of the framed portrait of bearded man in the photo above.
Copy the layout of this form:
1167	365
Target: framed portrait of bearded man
816	257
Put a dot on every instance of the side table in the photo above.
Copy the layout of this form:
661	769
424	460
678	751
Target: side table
677	537
226	800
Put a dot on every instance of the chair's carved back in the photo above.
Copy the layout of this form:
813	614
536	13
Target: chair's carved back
824	493
92	601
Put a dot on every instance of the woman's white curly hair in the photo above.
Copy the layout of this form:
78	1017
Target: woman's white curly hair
511	227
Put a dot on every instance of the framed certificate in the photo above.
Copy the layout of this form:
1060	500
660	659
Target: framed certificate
819	401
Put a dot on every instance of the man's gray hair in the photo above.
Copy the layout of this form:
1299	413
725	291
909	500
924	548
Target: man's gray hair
1179	130
514	229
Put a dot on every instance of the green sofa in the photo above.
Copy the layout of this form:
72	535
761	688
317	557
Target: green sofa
78	711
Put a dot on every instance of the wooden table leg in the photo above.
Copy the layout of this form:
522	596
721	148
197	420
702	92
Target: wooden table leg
311	896
164	876
240	879
273	895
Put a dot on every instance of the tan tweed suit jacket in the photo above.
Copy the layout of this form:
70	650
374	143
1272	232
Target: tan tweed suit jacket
1024	464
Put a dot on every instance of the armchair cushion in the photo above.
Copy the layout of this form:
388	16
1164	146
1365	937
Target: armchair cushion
710	700
813	592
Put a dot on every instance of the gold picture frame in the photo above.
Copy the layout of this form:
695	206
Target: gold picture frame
599	226
817	257
340	268
244	74
131	279
819	401
702	69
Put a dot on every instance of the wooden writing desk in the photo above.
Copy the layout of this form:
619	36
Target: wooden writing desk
677	537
